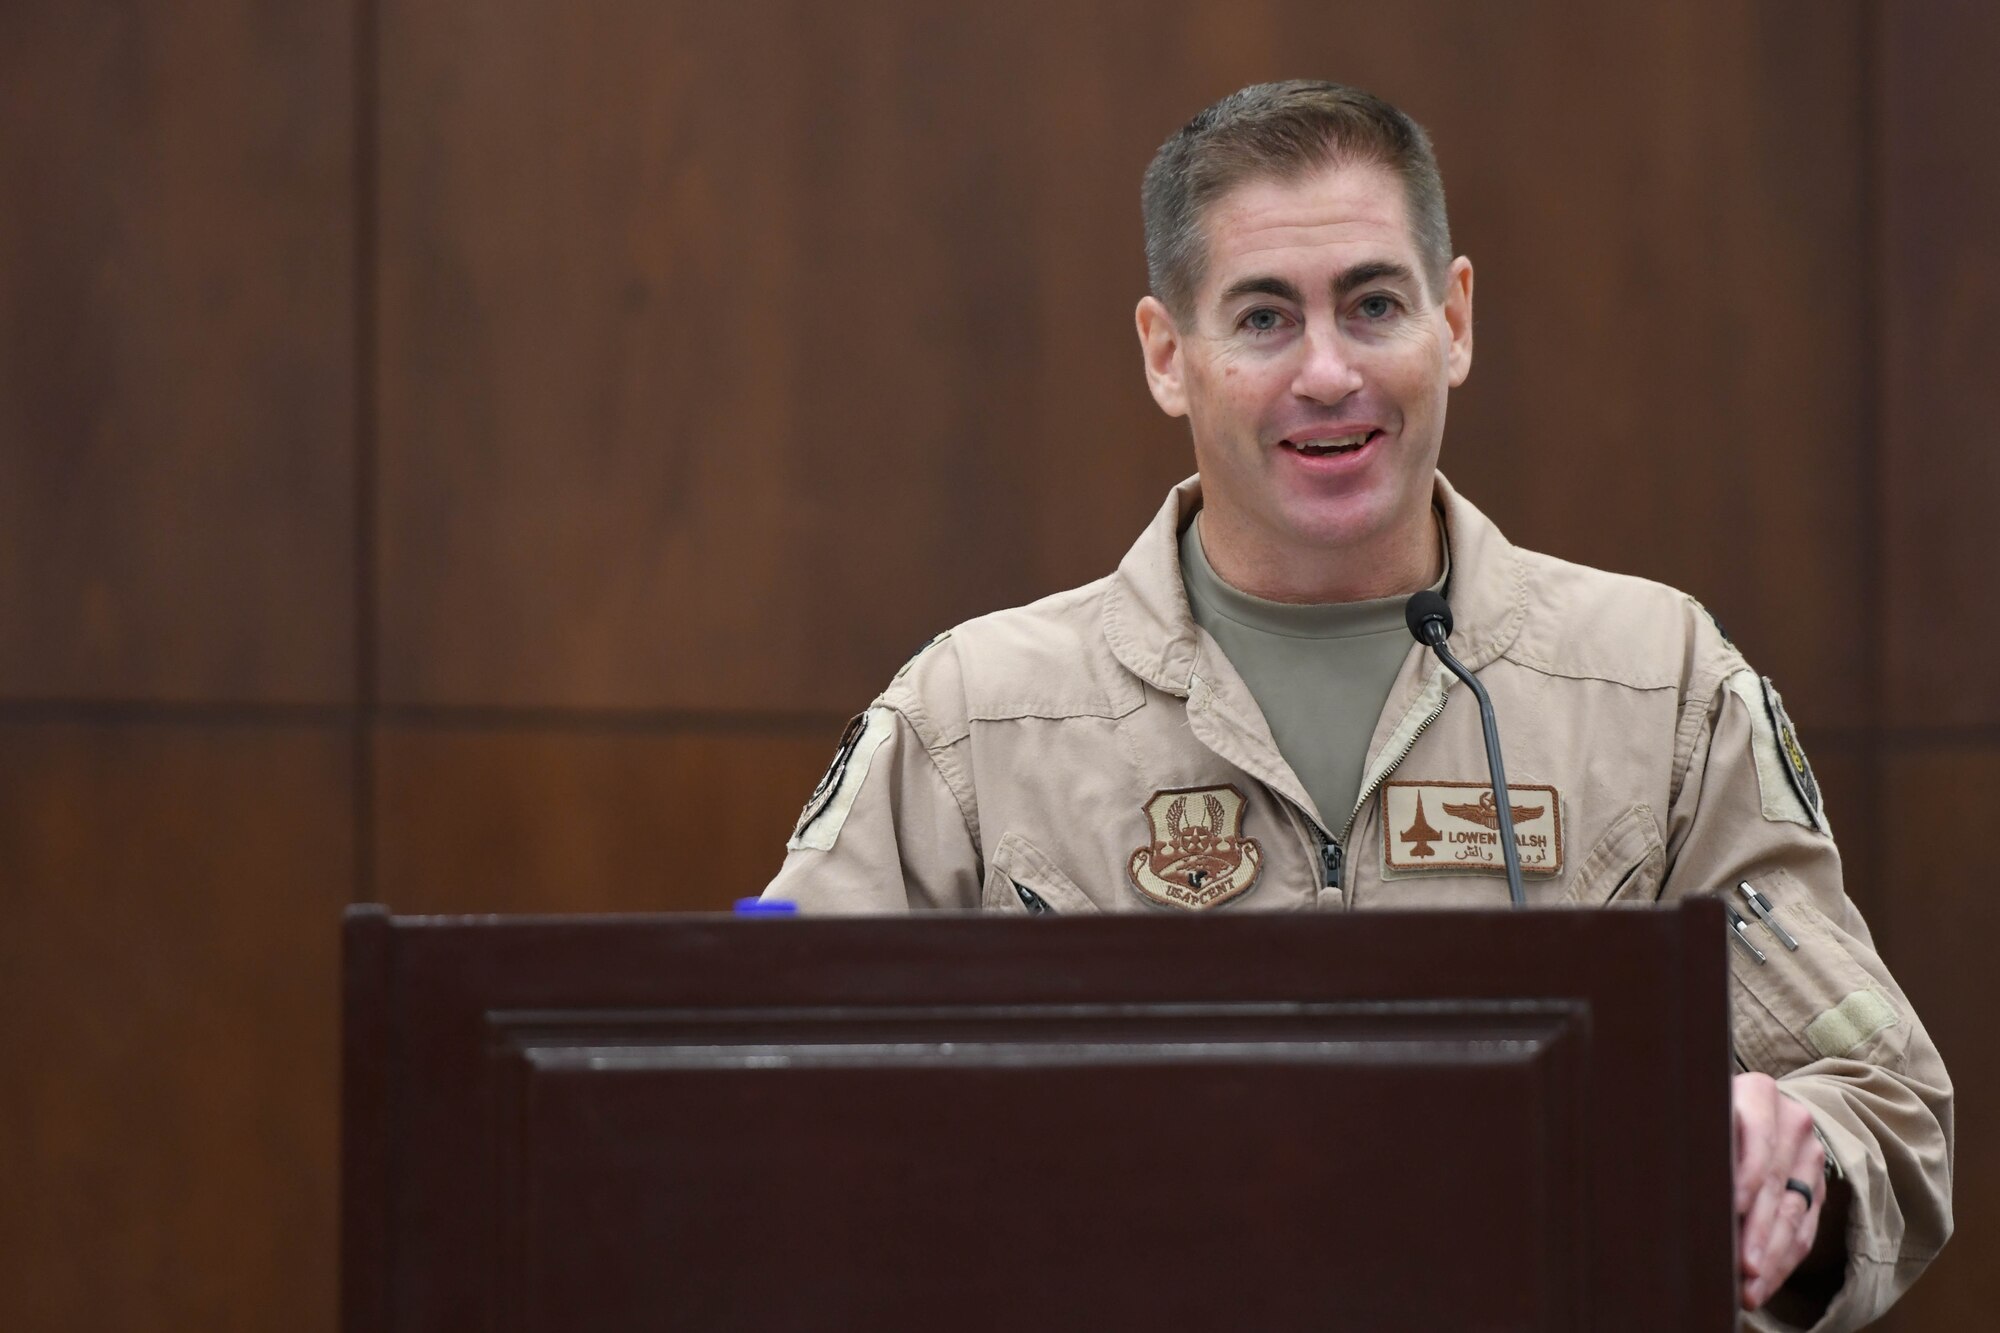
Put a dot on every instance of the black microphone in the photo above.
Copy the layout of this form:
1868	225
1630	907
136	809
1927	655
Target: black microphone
1429	619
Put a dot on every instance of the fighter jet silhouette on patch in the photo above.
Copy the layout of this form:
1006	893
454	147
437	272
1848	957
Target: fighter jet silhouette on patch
1421	833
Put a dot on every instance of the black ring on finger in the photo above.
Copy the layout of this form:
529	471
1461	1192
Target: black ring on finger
1801	1187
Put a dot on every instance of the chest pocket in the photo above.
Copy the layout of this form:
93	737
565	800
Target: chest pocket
1625	867
1020	879
1808	1004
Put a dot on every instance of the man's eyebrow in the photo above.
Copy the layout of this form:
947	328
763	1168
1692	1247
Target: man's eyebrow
1277	287
1358	276
1363	274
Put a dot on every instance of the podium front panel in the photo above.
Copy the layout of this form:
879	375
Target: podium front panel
1465	1121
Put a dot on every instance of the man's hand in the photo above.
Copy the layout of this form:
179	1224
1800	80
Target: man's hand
1775	1224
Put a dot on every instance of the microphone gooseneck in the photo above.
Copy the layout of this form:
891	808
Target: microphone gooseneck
1429	618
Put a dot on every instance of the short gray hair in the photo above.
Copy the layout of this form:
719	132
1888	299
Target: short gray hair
1282	131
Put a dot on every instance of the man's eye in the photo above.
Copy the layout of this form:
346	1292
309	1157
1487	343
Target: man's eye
1262	320
1377	307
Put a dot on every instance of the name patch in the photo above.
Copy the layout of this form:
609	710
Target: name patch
1454	828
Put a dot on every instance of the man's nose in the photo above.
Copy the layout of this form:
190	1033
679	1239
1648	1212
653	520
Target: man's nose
1327	374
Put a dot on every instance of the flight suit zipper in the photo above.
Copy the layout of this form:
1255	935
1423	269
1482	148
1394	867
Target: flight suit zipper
1330	858
1332	851
1368	792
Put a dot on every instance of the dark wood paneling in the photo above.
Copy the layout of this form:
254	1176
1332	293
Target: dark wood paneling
176	386
1673	374
1941	284
1938	937
169	976
697	407
745	400
545	820
726	353
1939	280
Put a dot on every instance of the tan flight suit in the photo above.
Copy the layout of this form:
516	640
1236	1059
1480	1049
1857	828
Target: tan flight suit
1096	752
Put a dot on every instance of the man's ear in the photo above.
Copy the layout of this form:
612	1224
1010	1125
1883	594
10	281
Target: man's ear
1160	342
1458	317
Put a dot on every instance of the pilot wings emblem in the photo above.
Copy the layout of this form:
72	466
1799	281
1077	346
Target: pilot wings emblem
1487	811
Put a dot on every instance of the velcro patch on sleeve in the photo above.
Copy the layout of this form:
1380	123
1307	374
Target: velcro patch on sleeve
1454	828
1835	1033
819	823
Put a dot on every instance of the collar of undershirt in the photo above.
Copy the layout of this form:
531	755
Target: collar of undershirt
1292	620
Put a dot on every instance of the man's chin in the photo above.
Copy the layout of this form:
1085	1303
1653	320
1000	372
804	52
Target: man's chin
1353	521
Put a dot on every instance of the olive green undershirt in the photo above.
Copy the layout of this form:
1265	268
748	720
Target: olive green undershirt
1320	673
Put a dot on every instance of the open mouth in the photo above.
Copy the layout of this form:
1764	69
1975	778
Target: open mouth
1338	444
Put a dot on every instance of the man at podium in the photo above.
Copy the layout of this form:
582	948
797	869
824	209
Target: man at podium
1237	718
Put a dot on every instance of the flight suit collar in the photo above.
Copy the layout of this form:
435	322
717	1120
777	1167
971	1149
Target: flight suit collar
1147	620
1151	628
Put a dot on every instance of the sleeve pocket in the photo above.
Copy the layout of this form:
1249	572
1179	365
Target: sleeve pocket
1626	865
1812	1003
1019	876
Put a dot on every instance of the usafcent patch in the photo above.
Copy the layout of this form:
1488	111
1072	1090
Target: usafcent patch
826	810
1198	856
1454	828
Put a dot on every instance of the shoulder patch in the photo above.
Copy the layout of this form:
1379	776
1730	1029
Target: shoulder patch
826	809
1786	787
1796	768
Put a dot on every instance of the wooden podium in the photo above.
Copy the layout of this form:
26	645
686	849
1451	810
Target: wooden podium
1369	1121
